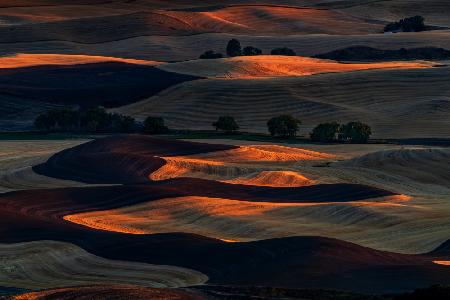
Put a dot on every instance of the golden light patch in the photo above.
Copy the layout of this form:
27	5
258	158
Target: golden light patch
241	164
22	60
274	179
261	66
224	219
442	262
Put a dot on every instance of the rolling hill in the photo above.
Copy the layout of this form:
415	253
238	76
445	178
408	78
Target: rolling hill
88	216
386	99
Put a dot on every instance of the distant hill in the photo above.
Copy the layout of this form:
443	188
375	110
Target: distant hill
363	53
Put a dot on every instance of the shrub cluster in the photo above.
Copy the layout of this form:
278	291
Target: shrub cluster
283	126
288	126
96	120
90	120
155	125
412	24
363	53
353	132
234	48
210	54
226	124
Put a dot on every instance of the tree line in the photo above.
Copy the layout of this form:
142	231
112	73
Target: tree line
411	24
288	126
234	49
95	120
98	120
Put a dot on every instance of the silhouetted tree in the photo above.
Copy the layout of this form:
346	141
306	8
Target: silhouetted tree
155	125
62	119
326	132
412	24
284	126
210	55
95	119
66	118
121	123
251	51
226	124
355	132
283	51
234	48
128	124
45	122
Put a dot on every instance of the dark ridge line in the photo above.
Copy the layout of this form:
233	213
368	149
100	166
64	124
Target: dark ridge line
303	194
79	65
338	4
442	250
119	196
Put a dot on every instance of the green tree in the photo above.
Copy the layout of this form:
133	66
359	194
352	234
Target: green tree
284	126
325	132
226	124
155	125
355	132
234	48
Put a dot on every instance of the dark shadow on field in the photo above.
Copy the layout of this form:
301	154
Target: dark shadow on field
108	84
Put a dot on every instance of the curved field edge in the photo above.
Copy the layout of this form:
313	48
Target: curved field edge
63	264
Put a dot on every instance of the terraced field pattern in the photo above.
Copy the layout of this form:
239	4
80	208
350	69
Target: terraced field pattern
135	216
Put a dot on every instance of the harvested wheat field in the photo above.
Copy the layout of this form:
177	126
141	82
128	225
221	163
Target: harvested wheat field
63	264
17	159
386	99
247	149
179	48
275	66
271	195
301	170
